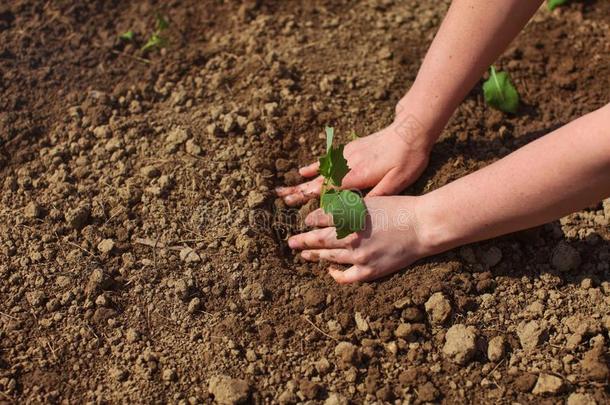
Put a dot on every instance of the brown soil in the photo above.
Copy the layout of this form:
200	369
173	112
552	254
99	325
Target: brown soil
142	252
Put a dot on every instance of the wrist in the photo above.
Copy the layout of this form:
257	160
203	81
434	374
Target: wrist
433	225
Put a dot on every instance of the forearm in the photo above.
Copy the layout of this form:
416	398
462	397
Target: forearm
473	34
560	173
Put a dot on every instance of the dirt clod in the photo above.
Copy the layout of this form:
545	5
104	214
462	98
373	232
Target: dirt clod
460	343
565	258
228	391
495	348
438	308
548	384
532	334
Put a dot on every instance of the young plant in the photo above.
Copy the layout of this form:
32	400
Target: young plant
157	40
552	4
500	93
346	207
127	35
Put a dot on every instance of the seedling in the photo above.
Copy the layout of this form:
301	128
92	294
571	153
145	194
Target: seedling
552	4
500	93
346	207
127	36
157	40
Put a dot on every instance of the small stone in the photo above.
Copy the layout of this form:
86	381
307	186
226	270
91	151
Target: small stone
322	366
593	364
33	210
336	399
228	391
105	246
194	305
404	331
228	123
438	308
213	130
586	283
97	280
188	255
181	289
192	148
309	389
361	322
565	258
254	291
525	382
176	136
532	334
168	375
151	172
548	384
132	335
77	217
35	298
581	399
403	302
495	348
102	301
460	343
347	353
427	392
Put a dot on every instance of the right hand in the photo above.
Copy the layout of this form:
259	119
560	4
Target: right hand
387	161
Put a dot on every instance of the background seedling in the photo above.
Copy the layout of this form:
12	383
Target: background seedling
346	207
127	36
157	40
552	4
500	93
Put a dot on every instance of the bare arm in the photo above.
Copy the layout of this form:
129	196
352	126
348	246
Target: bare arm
560	173
473	34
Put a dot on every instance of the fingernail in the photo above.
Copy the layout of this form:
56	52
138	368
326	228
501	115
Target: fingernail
292	243
291	199
278	190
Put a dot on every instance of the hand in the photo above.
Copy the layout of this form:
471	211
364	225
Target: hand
388	161
392	239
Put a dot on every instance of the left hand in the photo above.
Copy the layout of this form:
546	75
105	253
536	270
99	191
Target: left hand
390	241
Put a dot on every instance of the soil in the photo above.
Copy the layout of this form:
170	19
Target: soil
143	255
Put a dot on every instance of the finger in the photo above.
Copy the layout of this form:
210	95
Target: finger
351	275
390	184
325	238
319	218
303	192
342	256
310	170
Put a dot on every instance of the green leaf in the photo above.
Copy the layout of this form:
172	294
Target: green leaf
330	134
500	93
155	41
333	166
347	209
552	4
127	36
353	136
162	23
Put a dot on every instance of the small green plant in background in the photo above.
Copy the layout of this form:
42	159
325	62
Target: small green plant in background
157	40
346	207
127	35
500	93
552	4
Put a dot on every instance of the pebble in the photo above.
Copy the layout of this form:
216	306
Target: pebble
347	353
33	210
580	399
254	291
361	322
336	399
228	391
168	374
532	334
194	305
105	246
188	255
460	343
438	308
565	258
548	384
495	348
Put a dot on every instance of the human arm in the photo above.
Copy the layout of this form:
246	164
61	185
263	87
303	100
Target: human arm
559	173
471	37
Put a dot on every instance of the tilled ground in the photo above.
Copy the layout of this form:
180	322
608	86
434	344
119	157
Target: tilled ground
143	255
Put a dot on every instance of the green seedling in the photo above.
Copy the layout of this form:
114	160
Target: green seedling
500	93
346	207
127	36
353	136
157	40
552	4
